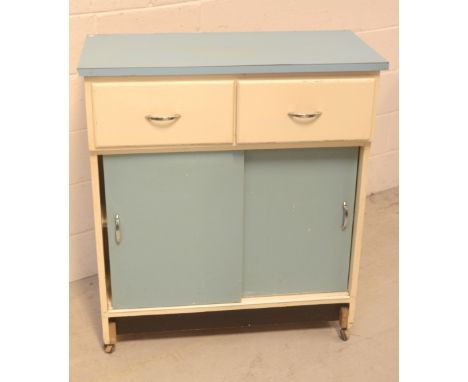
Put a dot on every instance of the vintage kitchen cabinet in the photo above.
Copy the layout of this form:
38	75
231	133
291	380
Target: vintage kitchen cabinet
228	169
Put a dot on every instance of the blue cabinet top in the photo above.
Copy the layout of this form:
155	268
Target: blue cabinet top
227	53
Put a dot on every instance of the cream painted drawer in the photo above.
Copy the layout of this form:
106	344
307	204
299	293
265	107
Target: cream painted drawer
120	110
345	106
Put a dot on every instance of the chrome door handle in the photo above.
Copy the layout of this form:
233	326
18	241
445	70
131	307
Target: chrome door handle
118	235
162	118
313	115
344	225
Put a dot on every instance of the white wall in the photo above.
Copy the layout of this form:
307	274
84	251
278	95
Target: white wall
375	21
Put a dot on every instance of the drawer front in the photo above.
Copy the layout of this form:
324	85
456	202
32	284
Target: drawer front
120	109
332	109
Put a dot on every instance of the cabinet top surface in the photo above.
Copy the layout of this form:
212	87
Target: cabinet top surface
227	53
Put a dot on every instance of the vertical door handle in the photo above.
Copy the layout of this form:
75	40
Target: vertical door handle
118	235
344	225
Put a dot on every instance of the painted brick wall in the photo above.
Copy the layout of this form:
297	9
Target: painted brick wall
375	21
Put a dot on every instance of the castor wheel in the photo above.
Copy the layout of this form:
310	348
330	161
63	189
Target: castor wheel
344	335
109	348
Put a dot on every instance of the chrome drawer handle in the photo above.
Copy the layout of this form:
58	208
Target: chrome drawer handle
118	235
163	118
344	225
313	115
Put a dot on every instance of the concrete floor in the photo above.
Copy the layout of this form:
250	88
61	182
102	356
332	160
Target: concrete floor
285	345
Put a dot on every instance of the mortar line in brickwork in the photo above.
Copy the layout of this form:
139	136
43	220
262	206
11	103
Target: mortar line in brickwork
377	29
387	113
385	153
88	230
79	182
126	10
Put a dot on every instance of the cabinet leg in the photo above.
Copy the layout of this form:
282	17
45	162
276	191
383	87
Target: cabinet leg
344	316
112	335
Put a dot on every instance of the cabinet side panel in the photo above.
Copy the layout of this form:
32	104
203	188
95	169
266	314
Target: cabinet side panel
293	239
181	228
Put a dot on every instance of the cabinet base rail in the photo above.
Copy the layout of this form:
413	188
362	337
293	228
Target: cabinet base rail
335	298
246	303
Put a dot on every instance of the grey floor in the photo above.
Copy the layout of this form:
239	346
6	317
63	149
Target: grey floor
286	345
